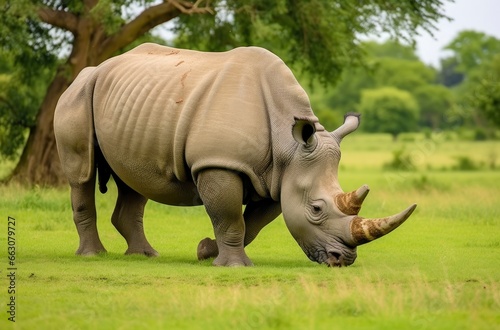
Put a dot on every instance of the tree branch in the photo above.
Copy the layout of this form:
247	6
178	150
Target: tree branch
190	8
148	19
58	18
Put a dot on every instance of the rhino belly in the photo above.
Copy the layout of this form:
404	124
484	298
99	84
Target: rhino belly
154	182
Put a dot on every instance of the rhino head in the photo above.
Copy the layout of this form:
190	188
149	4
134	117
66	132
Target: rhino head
320	216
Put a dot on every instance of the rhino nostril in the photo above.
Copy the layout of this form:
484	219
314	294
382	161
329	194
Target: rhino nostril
335	259
335	255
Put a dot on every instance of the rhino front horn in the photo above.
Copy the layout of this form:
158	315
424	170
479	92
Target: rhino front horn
366	230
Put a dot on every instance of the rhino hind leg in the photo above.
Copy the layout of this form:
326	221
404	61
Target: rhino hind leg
77	158
85	217
128	219
222	194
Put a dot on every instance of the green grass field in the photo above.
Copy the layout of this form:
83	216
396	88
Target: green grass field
440	270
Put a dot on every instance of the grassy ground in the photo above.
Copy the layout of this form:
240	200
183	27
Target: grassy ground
440	270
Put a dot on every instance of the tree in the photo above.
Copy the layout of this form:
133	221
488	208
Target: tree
484	90
389	110
448	74
407	75
390	49
322	35
389	64
434	102
475	56
472	48
18	101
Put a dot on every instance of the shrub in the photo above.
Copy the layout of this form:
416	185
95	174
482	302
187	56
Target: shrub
481	134
389	110
401	161
465	163
492	160
423	183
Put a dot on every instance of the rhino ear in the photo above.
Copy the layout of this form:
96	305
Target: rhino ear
304	133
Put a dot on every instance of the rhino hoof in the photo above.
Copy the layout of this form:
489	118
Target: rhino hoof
89	252
233	261
147	252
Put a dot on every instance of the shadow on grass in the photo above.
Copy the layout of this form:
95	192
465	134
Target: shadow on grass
172	260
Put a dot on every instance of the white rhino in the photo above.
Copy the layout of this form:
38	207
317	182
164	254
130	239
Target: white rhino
187	128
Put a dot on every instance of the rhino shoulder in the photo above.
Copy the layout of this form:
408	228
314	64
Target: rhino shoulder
258	56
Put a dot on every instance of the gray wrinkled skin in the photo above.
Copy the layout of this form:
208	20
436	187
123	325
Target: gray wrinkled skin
187	128
309	186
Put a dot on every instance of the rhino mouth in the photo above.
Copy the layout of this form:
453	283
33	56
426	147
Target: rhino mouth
319	256
341	258
332	257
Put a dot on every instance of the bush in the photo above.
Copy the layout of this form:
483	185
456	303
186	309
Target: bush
389	110
492	160
465	163
423	183
402	161
481	135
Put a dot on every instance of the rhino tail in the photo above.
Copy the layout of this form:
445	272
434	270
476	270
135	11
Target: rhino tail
103	170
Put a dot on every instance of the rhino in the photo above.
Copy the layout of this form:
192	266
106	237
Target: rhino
219	129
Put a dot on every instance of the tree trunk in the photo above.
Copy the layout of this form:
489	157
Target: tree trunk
39	162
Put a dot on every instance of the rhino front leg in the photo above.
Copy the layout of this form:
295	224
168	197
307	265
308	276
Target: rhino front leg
128	219
257	215
222	194
85	217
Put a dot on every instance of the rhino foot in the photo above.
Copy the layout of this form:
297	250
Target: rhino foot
88	252
148	251
232	259
207	248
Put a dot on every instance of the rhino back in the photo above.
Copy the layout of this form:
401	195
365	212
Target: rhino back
164	114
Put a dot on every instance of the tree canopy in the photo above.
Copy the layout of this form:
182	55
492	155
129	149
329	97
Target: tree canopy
484	90
475	57
391	64
471	49
64	36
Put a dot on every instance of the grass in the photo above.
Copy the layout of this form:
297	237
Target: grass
440	270
437	153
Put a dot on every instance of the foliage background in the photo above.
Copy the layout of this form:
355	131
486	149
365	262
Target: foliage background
321	38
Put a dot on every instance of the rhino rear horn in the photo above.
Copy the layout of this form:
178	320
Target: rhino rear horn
366	230
351	123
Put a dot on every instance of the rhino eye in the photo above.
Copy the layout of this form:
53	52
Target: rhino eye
315	212
316	209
